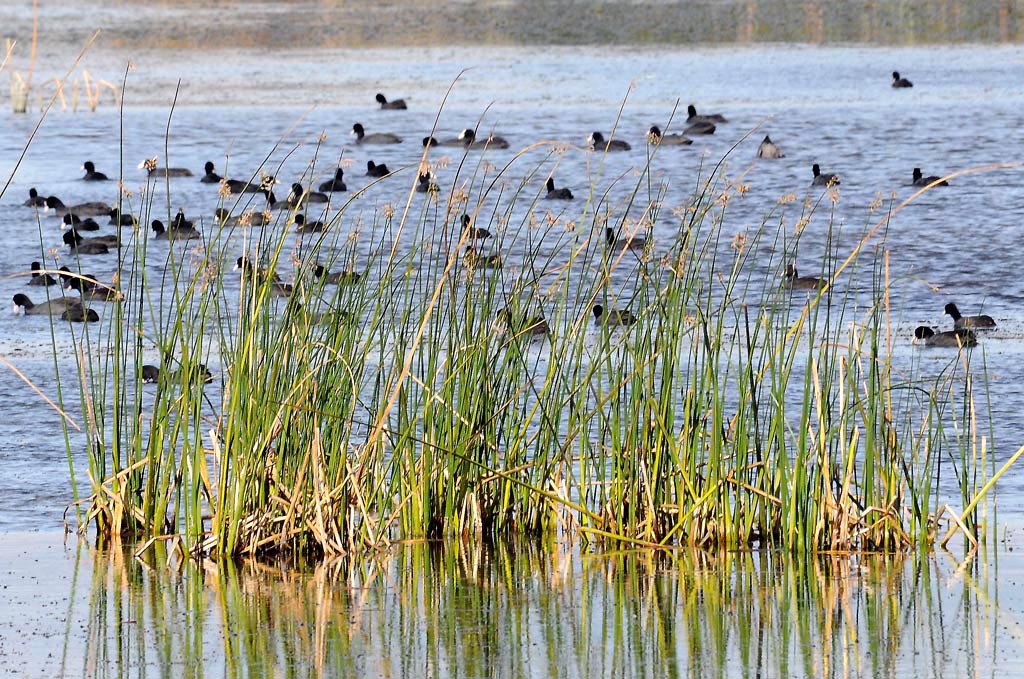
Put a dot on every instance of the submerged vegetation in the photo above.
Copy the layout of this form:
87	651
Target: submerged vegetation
441	392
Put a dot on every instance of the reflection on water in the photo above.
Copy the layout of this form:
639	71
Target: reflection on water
421	610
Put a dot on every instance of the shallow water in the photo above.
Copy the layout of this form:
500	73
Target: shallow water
828	105
422	610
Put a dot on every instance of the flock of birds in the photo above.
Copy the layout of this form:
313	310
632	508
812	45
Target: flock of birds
82	217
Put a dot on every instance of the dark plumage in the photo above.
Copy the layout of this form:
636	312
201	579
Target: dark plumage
797	282
336	184
174	233
91	175
920	180
472	232
655	137
53	307
99	245
823	179
982	321
34	199
151	168
469	140
425	185
374	170
335	277
79	314
897	81
39	278
90	209
302	226
613	317
395	105
597	142
210	177
376	138
692	117
950	338
73	220
122	218
630	242
556	194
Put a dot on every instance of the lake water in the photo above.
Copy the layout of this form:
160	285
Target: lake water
827	104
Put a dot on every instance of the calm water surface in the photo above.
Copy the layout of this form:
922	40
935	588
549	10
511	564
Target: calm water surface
833	106
426	611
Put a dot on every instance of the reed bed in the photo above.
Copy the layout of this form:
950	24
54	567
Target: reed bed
419	402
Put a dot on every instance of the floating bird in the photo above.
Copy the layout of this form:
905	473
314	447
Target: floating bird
897	81
469	140
336	184
768	150
976	322
151	168
79	315
472	259
336	277
633	242
374	170
88	286
797	282
174	233
210	177
613	317
655	137
425	185
692	117
823	179
73	220
597	142
536	325
556	194
950	338
302	226
97	245
472	232
376	138
91	175
34	199
920	180
90	209
40	278
53	307
385	105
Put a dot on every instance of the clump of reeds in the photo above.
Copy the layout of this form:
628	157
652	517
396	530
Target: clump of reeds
420	401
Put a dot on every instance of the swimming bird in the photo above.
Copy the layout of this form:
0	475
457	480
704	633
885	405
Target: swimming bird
97	245
122	218
336	184
469	140
472	259
613	317
151	168
73	220
823	179
251	218
960	337
656	138
920	180
34	199
374	170
797	282
597	142
263	277
701	127
534	325
376	138
39	278
91	175
210	177
556	194
425	185
633	242
769	150
151	374
300	195
302	226
179	221
692	117
246	186
53	307
897	81
395	105
174	233
88	286
982	321
336	277
90	209
473	232
79	314
433	141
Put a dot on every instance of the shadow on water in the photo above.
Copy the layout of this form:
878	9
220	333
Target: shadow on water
429	611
